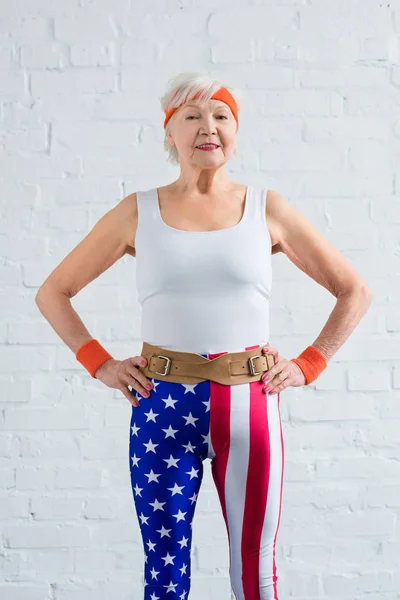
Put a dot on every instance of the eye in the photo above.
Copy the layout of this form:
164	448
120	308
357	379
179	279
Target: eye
193	117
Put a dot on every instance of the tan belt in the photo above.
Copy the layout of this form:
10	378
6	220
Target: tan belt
189	367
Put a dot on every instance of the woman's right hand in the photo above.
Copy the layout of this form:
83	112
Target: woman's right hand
118	374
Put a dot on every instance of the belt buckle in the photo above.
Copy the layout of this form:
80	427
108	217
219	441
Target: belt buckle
253	372
167	366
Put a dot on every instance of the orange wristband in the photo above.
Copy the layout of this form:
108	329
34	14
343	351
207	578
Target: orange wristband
92	355
312	362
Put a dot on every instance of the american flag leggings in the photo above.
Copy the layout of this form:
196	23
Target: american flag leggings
172	432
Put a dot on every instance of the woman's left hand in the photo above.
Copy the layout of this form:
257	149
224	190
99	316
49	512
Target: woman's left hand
283	374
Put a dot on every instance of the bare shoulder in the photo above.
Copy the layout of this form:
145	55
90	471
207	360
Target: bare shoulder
109	240
308	249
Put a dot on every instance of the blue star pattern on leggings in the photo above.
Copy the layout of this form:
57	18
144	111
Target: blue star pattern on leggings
169	440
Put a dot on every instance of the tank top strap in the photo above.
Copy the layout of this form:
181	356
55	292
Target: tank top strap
147	208
257	206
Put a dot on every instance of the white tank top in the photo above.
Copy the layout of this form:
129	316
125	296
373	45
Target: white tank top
204	291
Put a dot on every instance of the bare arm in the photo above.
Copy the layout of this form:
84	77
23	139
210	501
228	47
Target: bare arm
306	247
107	242
348	311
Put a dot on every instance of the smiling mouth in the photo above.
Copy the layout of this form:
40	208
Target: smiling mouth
207	146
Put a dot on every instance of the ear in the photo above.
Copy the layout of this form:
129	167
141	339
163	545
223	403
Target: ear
169	139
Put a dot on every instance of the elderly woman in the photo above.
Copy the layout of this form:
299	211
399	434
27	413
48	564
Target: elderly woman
203	246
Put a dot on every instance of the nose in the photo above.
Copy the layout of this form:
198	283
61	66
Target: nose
208	125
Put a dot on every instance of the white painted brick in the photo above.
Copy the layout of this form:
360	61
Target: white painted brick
356	467
6	58
100	588
51	388
207	556
32	141
62	508
81	128
346	183
372	22
34	477
372	104
262	21
83	81
298	470
27	29
45	536
48	55
393	321
90	55
27	333
101	507
369	155
378	495
81	478
105	533
358	583
68	219
49	564
242	52
319	49
40	166
9	445
362	550
301	156
107	444
80	193
375	377
396	376
3	334
334	406
9	275
23	418
390	407
58	444
319	436
24	196
7	478
96	136
24	591
88	560
31	248
14	391
74	28
379	48
295	102
117	415
14	506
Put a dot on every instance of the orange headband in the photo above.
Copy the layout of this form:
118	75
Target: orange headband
222	94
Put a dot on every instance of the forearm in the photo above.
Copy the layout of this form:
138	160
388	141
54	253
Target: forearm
348	311
57	309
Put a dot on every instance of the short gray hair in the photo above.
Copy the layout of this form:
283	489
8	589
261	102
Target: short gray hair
183	88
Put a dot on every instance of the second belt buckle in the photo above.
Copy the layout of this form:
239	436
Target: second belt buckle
167	366
252	370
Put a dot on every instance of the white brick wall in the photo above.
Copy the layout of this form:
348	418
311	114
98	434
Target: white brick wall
81	127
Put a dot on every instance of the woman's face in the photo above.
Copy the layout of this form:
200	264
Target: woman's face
194	124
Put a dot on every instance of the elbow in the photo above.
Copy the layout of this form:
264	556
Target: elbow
44	292
359	289
41	294
367	292
38	296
